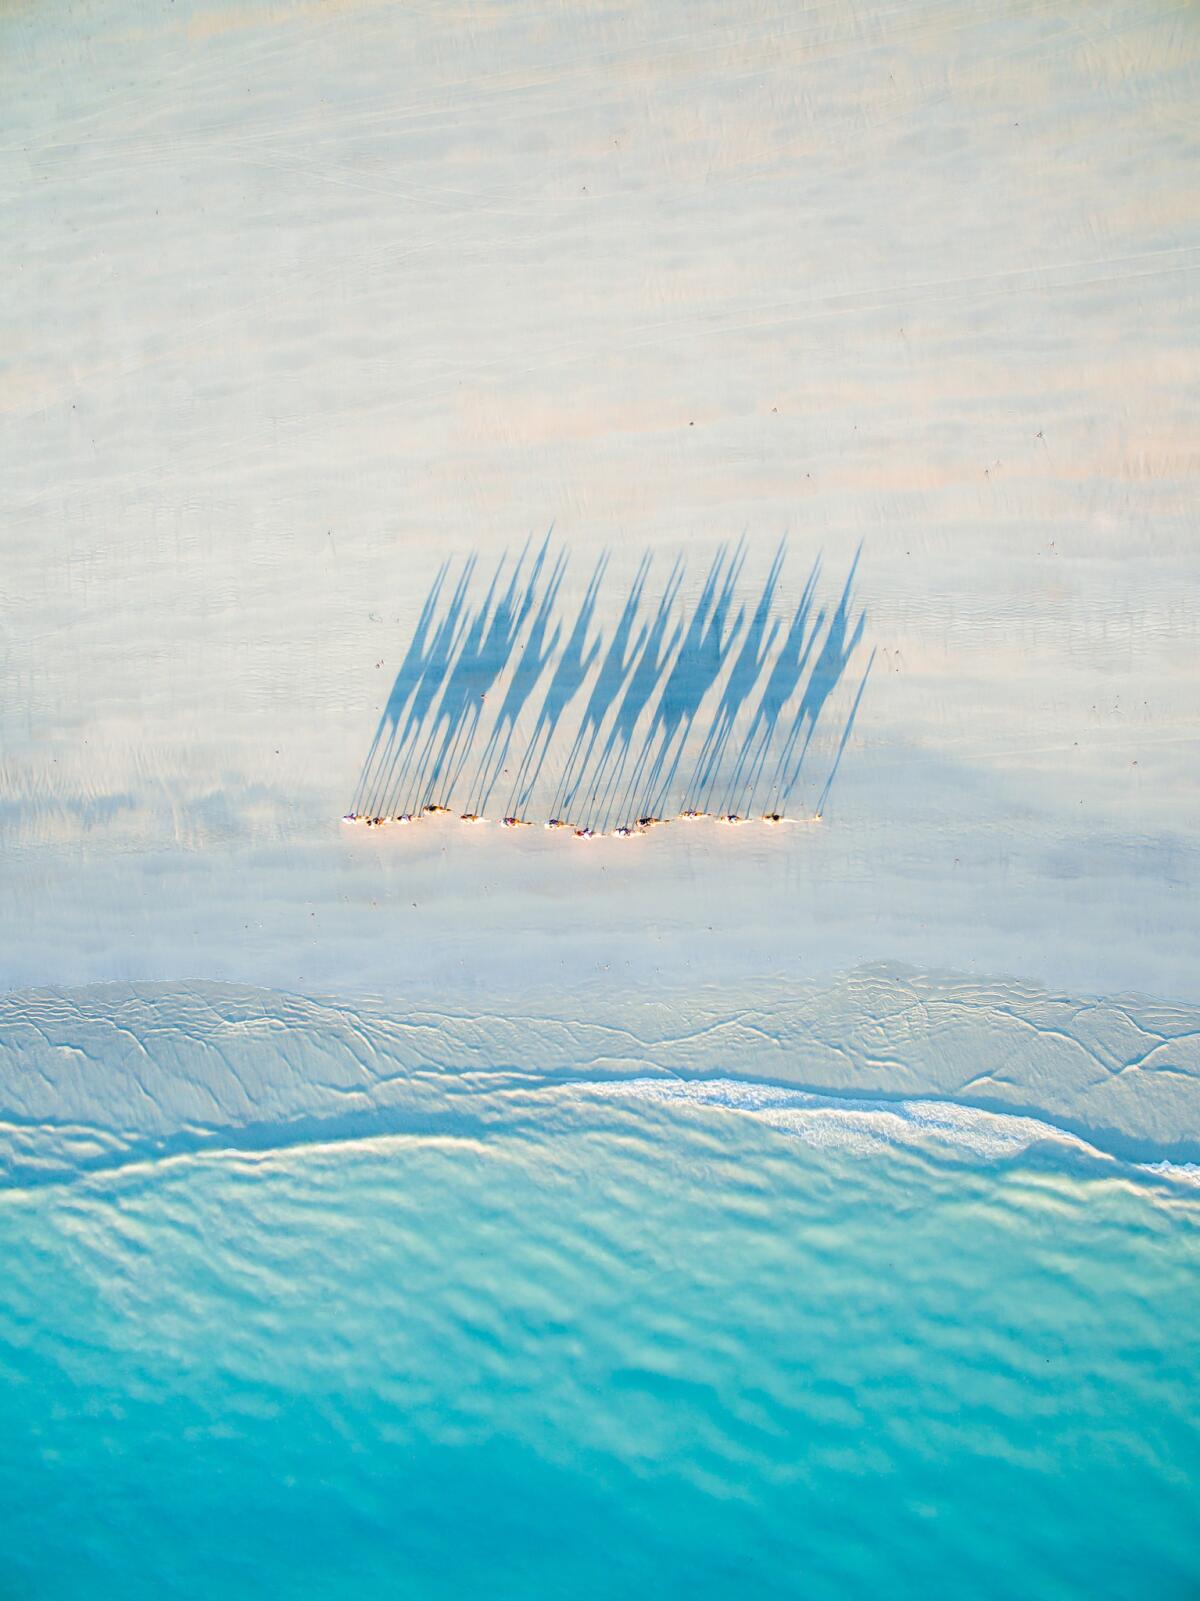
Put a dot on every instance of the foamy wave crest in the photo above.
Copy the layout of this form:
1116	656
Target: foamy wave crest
95	1077
876	1125
860	1124
1177	1172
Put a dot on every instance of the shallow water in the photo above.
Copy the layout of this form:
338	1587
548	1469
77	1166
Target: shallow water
629	1346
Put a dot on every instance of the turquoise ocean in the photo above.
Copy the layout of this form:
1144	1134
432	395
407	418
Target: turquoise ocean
617	1344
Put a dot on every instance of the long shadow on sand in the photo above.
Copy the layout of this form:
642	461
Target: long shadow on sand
667	693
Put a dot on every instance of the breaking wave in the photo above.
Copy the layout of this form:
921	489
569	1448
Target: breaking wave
867	1126
95	1078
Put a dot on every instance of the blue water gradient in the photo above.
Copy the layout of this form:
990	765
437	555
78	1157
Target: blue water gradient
652	1348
